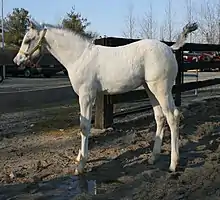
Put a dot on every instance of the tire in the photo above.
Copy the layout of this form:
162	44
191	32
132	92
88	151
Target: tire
27	73
1	78
14	74
47	75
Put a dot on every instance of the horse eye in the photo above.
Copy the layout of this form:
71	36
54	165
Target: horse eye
28	40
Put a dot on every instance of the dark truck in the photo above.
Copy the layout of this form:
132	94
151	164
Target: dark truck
29	71
48	65
1	74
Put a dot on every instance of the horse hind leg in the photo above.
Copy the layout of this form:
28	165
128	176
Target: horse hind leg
160	122
163	93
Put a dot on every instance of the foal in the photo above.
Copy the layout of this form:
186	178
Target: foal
94	68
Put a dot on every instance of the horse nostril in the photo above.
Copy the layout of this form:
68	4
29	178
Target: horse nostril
14	60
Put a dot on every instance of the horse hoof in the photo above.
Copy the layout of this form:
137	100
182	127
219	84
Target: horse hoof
172	168
76	161
153	158
78	172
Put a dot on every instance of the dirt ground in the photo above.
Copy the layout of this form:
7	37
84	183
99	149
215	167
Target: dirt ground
37	148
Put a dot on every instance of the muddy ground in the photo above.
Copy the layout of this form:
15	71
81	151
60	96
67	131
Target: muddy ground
37	148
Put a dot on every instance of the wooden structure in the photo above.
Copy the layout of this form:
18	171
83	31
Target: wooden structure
104	112
104	104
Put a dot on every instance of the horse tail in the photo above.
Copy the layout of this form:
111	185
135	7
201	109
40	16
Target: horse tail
190	27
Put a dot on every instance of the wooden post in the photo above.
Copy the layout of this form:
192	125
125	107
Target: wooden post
99	111
104	107
103	111
108	111
179	58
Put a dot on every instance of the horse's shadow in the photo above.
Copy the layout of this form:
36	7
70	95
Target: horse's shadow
122	129
191	156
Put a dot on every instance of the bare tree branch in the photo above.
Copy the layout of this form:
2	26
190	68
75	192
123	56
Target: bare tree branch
168	23
130	23
148	24
209	17
169	14
189	15
162	30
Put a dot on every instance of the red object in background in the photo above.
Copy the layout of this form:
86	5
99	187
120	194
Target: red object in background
202	57
190	57
198	56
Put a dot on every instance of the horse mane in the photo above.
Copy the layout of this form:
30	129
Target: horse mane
63	30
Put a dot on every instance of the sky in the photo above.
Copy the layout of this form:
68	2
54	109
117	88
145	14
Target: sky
107	17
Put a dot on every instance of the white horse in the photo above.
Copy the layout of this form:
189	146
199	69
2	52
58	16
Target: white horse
94	68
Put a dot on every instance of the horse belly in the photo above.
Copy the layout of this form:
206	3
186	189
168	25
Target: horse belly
122	80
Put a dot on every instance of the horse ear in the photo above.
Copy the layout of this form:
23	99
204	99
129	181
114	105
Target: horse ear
34	24
31	24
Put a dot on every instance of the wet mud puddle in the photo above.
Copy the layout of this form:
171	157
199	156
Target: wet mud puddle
57	189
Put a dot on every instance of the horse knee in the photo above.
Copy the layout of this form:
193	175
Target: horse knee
84	126
160	119
176	113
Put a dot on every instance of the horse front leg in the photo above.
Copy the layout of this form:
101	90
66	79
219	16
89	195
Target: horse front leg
85	101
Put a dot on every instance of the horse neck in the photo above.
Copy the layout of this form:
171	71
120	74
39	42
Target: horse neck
65	46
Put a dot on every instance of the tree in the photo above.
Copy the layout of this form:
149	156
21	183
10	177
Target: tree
189	14
16	25
75	22
130	23
148	25
169	20
162	30
209	18
91	35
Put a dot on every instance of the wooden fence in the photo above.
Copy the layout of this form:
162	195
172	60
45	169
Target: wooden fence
104	113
